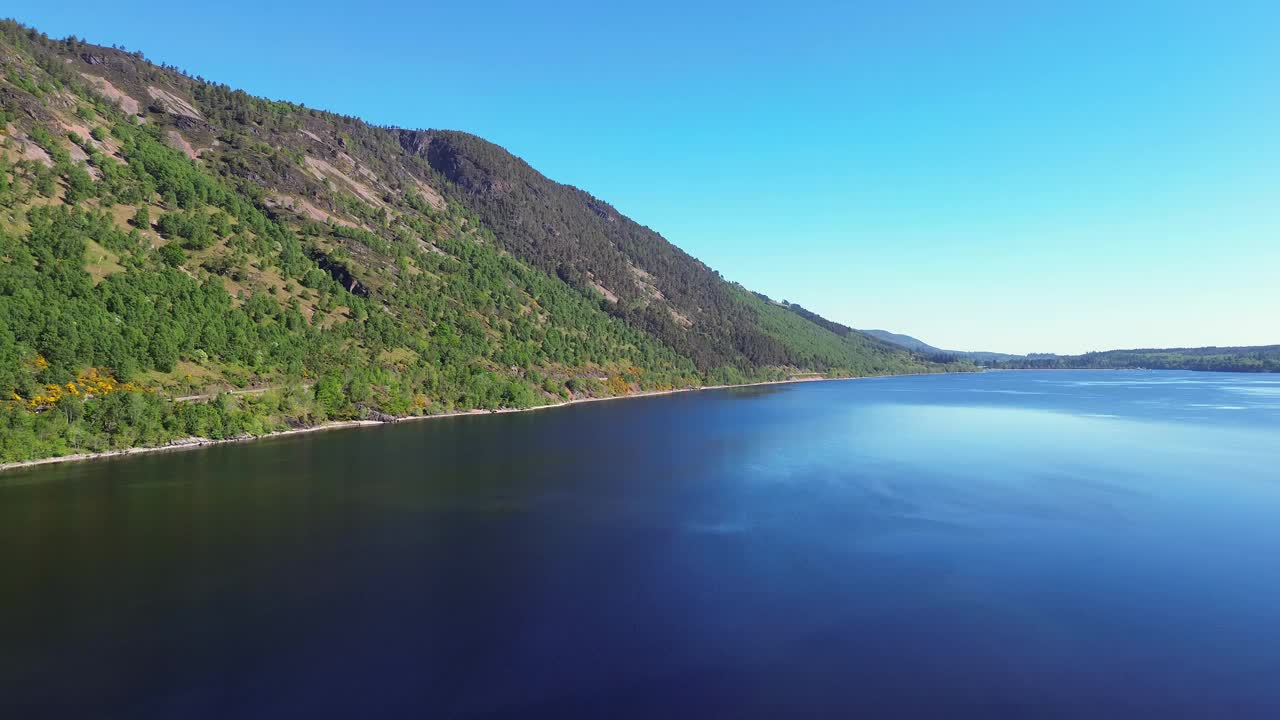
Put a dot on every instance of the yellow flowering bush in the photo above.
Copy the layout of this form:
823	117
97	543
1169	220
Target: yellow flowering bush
90	383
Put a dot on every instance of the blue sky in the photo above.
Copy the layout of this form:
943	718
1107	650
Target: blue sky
1014	176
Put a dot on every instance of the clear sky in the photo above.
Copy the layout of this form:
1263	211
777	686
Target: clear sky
1014	176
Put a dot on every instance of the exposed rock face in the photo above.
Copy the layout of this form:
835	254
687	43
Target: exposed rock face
457	167
602	211
126	103
178	142
430	194
32	151
415	142
167	102
325	170
606	292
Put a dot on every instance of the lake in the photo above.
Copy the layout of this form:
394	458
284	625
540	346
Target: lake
1034	544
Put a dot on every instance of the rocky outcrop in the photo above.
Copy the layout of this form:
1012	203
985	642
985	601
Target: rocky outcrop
167	102
114	94
440	152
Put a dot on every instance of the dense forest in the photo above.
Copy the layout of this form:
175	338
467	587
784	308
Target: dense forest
181	259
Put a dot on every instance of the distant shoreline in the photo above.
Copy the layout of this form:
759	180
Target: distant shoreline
193	443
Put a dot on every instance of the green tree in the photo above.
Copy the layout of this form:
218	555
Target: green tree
329	395
164	351
172	255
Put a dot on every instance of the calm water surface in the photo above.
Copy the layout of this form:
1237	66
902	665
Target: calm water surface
1037	544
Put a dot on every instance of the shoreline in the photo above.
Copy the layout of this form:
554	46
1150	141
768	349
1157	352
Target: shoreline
193	443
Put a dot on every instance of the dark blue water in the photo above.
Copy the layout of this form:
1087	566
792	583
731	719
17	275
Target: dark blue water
1024	544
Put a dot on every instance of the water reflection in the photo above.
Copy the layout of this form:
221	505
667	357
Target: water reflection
1025	543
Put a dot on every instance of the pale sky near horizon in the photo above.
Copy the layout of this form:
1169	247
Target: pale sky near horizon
1007	176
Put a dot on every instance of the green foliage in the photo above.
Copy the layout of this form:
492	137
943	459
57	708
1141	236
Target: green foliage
172	255
190	227
330	396
80	185
809	345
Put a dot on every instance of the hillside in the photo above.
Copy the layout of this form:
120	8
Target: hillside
919	346
1258	358
644	280
178	258
905	341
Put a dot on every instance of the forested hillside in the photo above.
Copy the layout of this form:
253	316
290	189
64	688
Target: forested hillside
1260	358
178	258
925	349
645	280
905	341
1256	358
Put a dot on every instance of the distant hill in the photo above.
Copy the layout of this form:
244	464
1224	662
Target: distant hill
1261	358
919	346
905	341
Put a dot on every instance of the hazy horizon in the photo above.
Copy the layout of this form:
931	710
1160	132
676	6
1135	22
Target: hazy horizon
997	178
